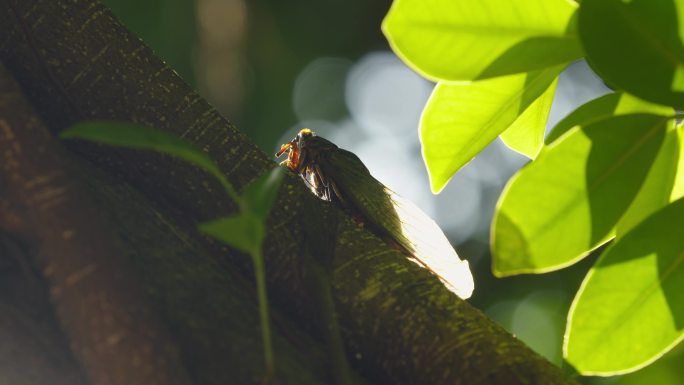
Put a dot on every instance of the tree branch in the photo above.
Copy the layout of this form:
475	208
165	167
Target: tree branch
97	299
76	62
126	245
33	350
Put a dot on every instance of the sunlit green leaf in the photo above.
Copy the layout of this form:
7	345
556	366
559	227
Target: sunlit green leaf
678	188
244	232
636	46
526	134
460	120
617	103
467	40
261	193
656	191
145	138
568	201
630	308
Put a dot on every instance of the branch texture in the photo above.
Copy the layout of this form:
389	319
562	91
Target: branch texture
401	326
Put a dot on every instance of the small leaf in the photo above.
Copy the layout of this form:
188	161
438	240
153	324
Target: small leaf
244	232
261	193
636	46
629	310
146	138
526	134
617	103
459	40
460	120
567	202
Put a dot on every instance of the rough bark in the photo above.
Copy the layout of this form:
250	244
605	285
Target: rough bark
75	62
112	264
111	328
33	349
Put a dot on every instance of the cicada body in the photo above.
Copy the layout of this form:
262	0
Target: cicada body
339	176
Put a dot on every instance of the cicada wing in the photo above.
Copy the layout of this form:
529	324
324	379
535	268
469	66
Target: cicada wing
402	220
431	247
359	190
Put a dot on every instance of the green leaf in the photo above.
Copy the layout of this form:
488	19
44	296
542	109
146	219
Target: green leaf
467	40
261	193
460	120
618	103
567	202
636	46
138	136
656	191
244	232
526	134
678	188
629	310
145	138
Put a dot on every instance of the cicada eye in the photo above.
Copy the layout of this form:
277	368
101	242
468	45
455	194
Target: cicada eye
302	137
304	133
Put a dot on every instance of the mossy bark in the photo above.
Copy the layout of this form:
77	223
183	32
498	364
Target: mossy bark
75	62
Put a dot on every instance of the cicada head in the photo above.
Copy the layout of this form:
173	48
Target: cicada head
306	153
293	149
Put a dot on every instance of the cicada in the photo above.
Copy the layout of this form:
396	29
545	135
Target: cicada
339	176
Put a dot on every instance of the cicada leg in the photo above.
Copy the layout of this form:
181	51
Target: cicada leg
286	163
337	192
302	160
330	190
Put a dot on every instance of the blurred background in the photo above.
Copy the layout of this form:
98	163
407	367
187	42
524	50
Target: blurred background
273	67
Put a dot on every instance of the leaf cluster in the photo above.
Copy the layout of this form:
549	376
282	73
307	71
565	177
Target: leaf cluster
611	171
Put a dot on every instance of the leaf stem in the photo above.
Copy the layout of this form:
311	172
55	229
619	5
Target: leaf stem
232	193
260	274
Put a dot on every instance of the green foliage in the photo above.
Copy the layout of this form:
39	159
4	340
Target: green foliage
602	172
526	134
261	194
468	40
658	189
636	46
613	104
140	137
460	120
569	200
678	189
630	308
137	136
244	231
